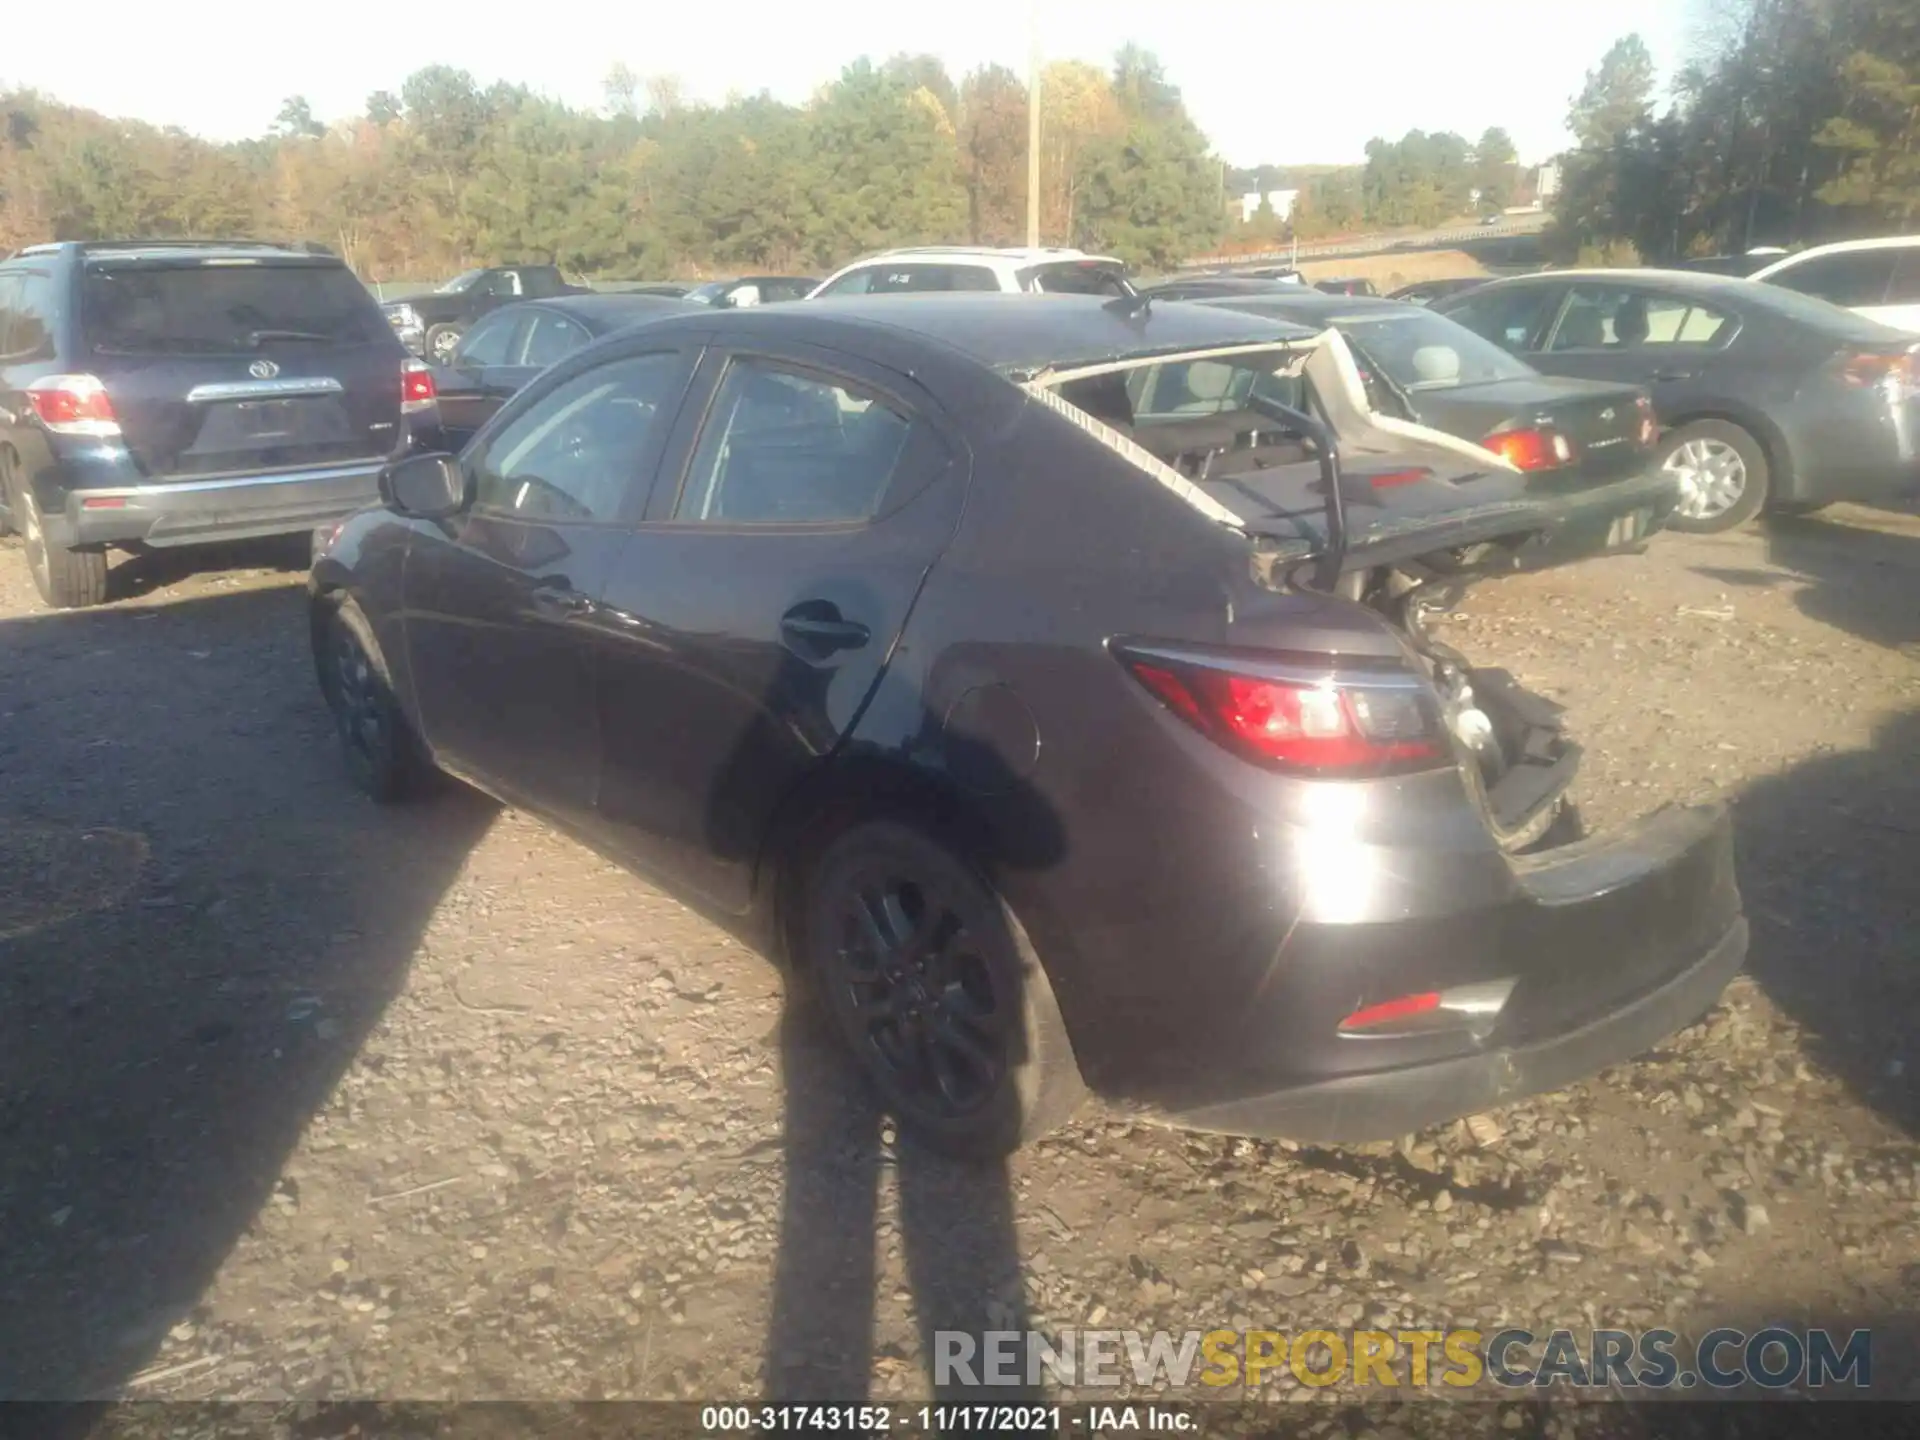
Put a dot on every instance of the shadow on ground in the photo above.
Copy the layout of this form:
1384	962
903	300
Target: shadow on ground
1830	848
204	923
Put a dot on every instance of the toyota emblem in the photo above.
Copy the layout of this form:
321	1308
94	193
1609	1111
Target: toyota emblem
263	369
1607	414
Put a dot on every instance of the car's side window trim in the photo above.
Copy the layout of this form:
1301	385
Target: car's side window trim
818	365
634	504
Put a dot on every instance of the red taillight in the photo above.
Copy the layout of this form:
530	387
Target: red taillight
1533	449
1390	1012
1317	726
416	387
1389	479
1898	375
74	405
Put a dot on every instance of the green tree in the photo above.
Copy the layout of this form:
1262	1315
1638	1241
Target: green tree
1496	169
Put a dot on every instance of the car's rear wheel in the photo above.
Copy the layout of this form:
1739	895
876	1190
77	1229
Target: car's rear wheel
383	755
66	579
441	342
1722	474
931	980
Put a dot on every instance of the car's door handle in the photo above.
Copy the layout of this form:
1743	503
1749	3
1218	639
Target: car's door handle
815	629
561	602
1673	374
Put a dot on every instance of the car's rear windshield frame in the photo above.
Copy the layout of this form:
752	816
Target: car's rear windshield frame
368	325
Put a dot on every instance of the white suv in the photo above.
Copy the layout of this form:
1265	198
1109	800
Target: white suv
1878	278
964	267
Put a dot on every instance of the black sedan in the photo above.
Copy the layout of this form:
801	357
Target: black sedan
512	345
1051	689
1424	367
1767	399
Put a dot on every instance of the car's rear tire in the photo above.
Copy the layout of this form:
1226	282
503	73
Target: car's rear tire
66	579
440	342
384	756
1723	475
933	984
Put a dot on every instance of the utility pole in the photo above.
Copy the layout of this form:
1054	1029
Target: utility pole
1033	128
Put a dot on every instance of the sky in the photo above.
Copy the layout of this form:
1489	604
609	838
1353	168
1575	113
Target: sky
1285	81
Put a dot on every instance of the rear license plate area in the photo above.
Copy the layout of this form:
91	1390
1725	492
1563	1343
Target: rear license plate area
266	419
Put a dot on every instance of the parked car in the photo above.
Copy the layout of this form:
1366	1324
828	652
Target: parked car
961	267
747	290
979	655
507	348
1425	292
432	324
164	392
1427	368
1766	398
1744	264
1345	287
1878	278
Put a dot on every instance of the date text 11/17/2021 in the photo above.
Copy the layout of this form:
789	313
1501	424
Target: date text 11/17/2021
869	1419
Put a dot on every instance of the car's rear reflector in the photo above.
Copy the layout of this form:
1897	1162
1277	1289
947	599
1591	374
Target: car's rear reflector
417	390
1391	1012
1314	725
1536	448
74	405
104	502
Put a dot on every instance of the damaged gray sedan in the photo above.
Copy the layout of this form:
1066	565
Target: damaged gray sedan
1050	685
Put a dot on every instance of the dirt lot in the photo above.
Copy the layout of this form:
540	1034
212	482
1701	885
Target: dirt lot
1390	271
299	1098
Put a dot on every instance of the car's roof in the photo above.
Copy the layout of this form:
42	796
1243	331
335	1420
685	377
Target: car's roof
1314	306
604	313
1880	242
1704	281
1014	255
1228	285
1024	334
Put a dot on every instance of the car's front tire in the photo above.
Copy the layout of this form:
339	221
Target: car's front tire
1722	474
932	982
384	756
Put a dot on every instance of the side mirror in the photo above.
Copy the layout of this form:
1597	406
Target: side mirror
424	487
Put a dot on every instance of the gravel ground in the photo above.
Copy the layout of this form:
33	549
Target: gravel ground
300	1099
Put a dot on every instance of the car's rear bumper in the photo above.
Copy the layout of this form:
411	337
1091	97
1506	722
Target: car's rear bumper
191	512
1603	946
1386	1105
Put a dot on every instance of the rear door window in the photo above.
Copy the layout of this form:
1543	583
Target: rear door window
218	309
1510	318
1603	317
787	446
549	339
1849	278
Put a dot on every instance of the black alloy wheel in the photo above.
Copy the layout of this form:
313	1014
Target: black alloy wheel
934	987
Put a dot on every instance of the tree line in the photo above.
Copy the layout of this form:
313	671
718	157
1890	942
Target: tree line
443	173
1796	121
